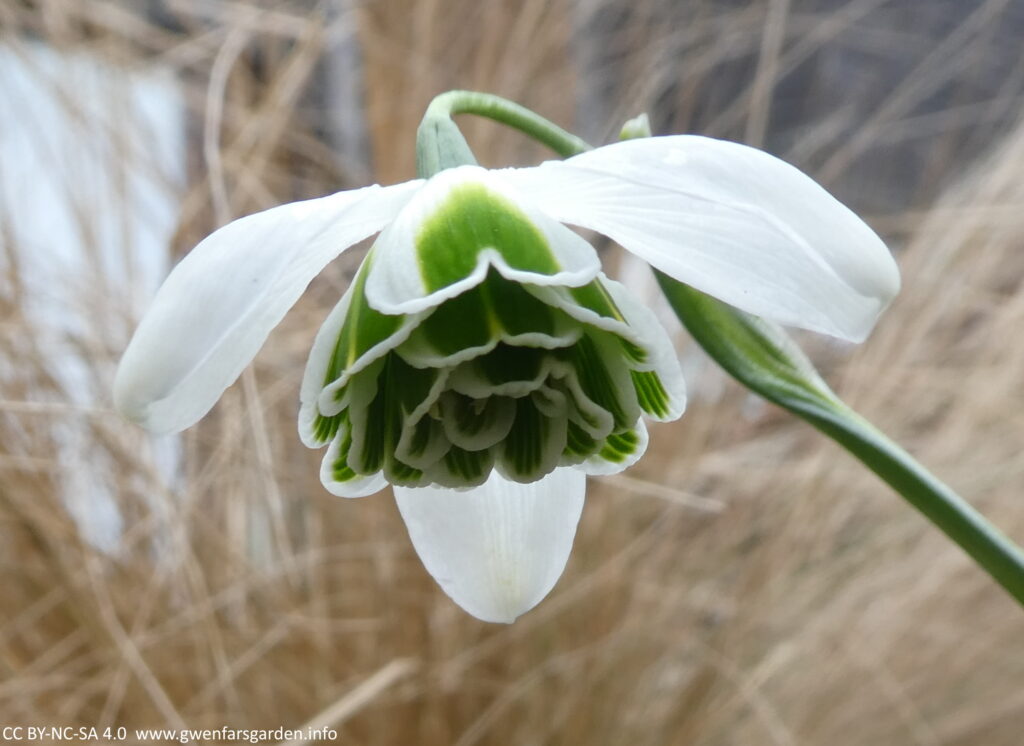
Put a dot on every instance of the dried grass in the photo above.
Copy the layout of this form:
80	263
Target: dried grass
745	583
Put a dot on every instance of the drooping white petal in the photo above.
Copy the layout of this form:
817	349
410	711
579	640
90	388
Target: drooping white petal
463	222
497	549
218	306
730	220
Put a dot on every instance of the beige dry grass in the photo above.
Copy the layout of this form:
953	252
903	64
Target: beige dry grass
746	583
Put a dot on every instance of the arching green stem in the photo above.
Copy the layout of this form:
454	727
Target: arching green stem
440	144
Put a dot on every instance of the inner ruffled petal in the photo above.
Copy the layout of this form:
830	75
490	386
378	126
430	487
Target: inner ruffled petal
464	222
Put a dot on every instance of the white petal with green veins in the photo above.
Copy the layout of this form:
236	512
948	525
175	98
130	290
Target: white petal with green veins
534	446
461	223
352	337
339	478
474	323
618	452
659	380
476	424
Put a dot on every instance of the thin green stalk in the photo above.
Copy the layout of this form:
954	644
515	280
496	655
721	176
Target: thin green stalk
440	145
758	354
762	357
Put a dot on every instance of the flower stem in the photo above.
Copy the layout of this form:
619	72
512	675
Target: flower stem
509	113
440	145
764	359
761	356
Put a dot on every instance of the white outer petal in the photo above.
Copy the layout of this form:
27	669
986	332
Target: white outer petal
217	307
499	548
730	220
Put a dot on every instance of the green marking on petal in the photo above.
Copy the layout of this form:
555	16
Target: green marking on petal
472	219
325	428
578	443
534	445
423	443
340	470
401	473
636	354
650	393
618	447
379	425
592	304
363	328
594	296
462	468
600	374
496	309
475	424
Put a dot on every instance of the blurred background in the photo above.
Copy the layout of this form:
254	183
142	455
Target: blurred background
746	583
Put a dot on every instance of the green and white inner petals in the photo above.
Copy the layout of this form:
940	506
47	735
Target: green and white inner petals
643	343
507	377
353	337
497	311
462	223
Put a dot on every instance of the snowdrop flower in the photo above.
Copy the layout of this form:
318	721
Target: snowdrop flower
480	362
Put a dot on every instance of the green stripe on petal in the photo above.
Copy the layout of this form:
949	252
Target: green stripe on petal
325	428
666	391
618	451
533	446
462	468
594	297
476	424
423	443
583	410
473	323
464	222
338	477
651	394
579	445
352	337
362	330
379	424
604	378
619	447
473	219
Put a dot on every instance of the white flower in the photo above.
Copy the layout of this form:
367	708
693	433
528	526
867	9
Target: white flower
480	362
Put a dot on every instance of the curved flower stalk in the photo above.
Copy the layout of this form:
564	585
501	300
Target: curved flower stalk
481	362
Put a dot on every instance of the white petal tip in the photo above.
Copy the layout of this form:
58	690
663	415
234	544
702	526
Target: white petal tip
497	550
135	404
